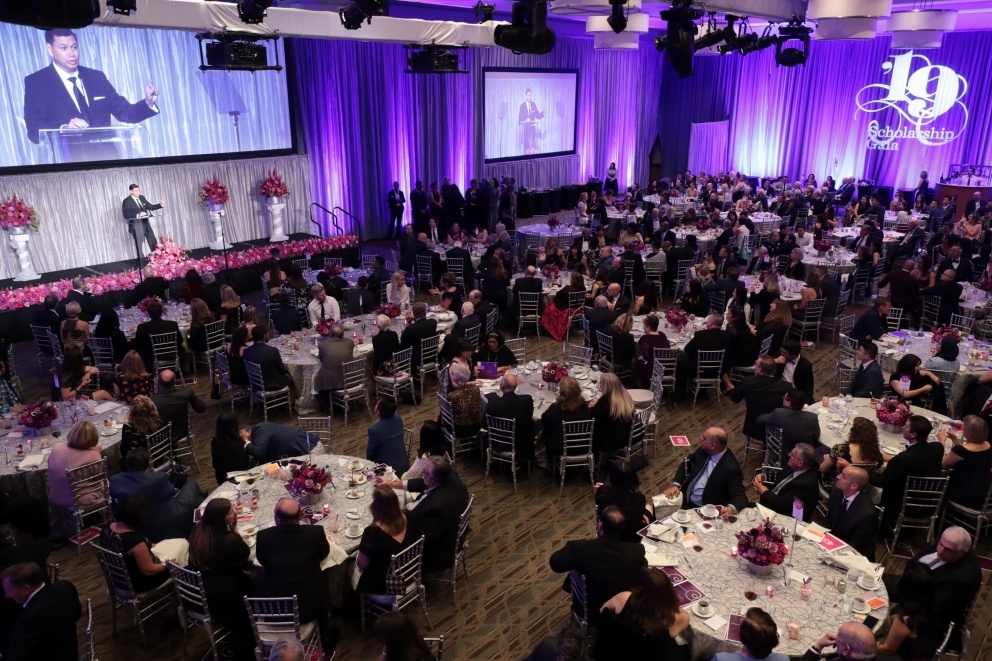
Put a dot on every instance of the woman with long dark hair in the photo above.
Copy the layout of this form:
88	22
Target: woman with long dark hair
622	489
775	324
235	356
643	623
862	447
109	327
390	532
132	380
201	316
227	447
695	301
911	383
192	286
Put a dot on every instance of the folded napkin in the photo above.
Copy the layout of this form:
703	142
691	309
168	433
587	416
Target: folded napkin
858	562
106	406
715	622
334	557
665	506
661	560
176	550
30	462
766	513
666	534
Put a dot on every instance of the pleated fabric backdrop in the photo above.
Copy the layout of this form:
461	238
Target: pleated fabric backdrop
80	212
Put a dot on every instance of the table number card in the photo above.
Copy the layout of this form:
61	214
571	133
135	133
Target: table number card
682	441
734	630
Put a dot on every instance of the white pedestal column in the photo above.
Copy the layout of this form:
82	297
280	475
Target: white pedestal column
19	239
216	211
276	207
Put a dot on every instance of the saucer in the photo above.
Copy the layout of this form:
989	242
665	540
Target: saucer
710	513
866	609
353	516
698	611
685	518
361	479
350	536
356	496
863	584
107	432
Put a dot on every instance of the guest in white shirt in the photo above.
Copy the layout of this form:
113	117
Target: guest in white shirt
969	178
581	211
397	290
804	240
322	307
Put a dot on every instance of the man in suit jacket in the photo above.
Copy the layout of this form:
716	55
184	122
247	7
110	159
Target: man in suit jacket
170	512
508	404
275	375
616	299
793	368
907	246
48	315
845	192
948	289
467	272
962	267
711	475
760	262
418	202
904	290
80	293
977	398
421	328
711	338
799	481
332	354
600	317
609	564
830	289
395	200
851	515
156	325
269	441
174	404
868	380
359	299
152	285
529	284
45	628
762	394
443	499
853	642
210	292
974	205
872	324
291	554
136	209
920	459
797	426
482	307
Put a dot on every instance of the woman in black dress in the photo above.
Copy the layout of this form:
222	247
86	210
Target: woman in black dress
742	350
201	316
230	309
569	407
971	459
109	327
390	532
695	301
613	413
235	356
624	347
227	447
122	536
913	384
450	293
495	351
643	623
385	343
775	324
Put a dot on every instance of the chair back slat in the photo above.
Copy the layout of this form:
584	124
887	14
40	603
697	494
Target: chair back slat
519	348
577	437
403	577
502	434
159	445
576	354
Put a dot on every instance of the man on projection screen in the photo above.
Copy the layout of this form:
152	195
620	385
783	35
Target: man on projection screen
527	119
65	95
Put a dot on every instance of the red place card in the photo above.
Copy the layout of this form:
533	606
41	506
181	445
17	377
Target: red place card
86	536
680	441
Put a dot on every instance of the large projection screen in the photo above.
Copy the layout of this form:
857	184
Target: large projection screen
529	113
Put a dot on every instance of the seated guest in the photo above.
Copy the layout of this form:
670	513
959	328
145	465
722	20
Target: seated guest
610	565
285	318
236	356
798	482
742	348
721	483
649	302
250	318
421	329
861	448
519	408
275	374
914	623
920	459
711	338
48	316
385	343
759	636
122	536
624	348
386	443
109	327
644	622
274	276
872	324
390	532
401	640
761	302
762	393
468	321
775	324
650	340
570	406
622	490
45	627
851	515
217	551
359	300
270	441
156	325
229	447
600	317
795	269
332	353
192	286
852	642
949	291
797	425
75	376
170	511
322	307
142	419
970	463
794	369
695	301
377	277
868	380
946	359
201	316
82	447
75	335
910	383
810	292
174	403
10	402
450	293
613	412
556	317
466	401
618	302
528	284
495	351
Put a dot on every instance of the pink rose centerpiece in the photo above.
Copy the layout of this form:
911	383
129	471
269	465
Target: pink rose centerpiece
677	317
553	223
306	482
822	246
170	260
274	186
554	372
39	415
941	332
762	546
549	271
333	269
143	304
213	193
16	213
892	413
702	225
323	327
391	310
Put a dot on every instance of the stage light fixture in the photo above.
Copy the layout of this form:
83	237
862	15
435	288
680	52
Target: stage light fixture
528	31
252	12
795	30
484	12
361	11
123	7
682	30
760	43
617	19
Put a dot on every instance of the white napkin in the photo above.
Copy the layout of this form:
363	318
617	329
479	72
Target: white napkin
766	513
661	560
665	506
176	550
106	406
334	557
30	462
667	535
854	562
715	622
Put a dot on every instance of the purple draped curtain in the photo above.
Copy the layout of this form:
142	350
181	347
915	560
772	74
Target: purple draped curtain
708	146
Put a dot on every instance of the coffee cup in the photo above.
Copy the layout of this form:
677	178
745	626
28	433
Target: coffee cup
859	604
353	529
710	510
869	580
704	606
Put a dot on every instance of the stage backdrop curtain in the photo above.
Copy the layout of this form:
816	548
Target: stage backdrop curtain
81	221
366	123
708	146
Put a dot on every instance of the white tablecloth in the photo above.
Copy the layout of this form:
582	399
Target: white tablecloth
835	424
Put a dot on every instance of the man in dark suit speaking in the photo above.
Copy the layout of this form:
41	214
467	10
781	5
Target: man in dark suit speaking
66	95
136	210
527	119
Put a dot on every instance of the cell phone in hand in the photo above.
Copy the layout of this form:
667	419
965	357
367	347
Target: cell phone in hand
871	621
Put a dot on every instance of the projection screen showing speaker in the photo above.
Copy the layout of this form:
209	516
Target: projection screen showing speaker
529	113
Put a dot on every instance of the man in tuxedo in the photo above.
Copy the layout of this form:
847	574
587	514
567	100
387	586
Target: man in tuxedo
830	289
962	266
454	201
529	284
291	554
600	317
174	404
729	283
795	369
665	234
170	511
275	375
434	233
711	475
360	300
920	459
66	95
153	285
904	290
459	252
798	426
418	200
421	329
155	325
395	200
851	515
846	191
872	324
853	642
45	628
527	119
617	301
609	564
948	290
332	354
508	404
762	394
868	380
136	210
760	262
798	482
48	316
80	293
907	247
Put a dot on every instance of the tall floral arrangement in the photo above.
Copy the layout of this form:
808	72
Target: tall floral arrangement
213	191
15	212
892	412
677	317
763	545
391	310
274	186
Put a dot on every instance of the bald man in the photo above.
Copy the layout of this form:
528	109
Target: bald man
852	641
508	404
851	515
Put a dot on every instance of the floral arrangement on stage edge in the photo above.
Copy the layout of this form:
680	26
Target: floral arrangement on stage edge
333	269
39	415
553	223
169	256
762	546
892	412
702	225
941	332
823	245
391	310
143	305
274	186
554	372
677	317
549	271
15	212
307	480
213	191
323	327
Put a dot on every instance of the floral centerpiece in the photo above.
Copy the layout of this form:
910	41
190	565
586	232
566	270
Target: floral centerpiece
143	305
702	225
213	192
391	310
323	327
554	372
15	212
553	223
549	271
677	317
636	246
333	269
941	332
274	186
306	482
822	246
892	413
169	259
763	546
39	415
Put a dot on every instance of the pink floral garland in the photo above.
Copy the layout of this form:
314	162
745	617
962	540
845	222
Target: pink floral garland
14	299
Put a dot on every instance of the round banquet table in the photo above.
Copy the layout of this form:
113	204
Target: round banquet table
789	289
530	383
348	273
475	249
888	236
705	239
542	231
33	481
973	299
835	424
171	311
713	573
840	263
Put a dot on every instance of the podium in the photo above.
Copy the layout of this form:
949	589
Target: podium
962	193
96	143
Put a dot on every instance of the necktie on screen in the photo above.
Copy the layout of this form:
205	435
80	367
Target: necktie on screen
84	108
969	180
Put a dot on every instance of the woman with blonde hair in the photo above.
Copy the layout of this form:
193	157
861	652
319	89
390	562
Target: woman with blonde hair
82	447
72	312
142	420
201	316
397	290
132	381
862	447
385	343
613	412
230	309
581	209
624	346
389	533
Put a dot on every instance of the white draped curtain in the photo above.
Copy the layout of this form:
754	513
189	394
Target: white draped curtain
708	147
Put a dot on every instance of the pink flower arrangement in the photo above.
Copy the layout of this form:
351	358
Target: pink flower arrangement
323	327
333	269
549	271
677	317
823	245
941	332
763	545
892	412
169	259
702	225
391	310
553	223
213	191
636	246
39	415
143	305
15	212
306	480
554	372
274	186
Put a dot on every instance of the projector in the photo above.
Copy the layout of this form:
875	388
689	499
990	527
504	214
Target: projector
235	51
433	59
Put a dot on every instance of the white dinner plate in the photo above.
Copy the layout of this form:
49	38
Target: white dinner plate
107	432
353	515
358	494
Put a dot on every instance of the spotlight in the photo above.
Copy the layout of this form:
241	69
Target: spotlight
528	31
738	43
361	11
617	19
795	30
252	12
484	12
681	32
123	7
761	43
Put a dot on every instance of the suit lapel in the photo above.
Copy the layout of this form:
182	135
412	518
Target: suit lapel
62	95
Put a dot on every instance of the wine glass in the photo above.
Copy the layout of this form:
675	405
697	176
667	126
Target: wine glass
250	479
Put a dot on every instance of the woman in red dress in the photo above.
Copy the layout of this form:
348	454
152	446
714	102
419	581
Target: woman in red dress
557	316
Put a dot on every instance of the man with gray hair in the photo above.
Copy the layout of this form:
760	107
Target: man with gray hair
481	305
853	642
711	338
798	482
80	293
332	353
600	317
286	649
210	292
468	321
150	285
520	408
529	284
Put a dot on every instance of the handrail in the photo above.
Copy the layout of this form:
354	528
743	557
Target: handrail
350	215
320	228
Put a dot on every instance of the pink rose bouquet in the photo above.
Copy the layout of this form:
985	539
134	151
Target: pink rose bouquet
15	212
677	317
391	310
274	186
39	415
213	191
763	545
554	372
892	412
306	480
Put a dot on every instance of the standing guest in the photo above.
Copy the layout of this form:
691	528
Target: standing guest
570	406
230	309
142	420
228	447
332	353
622	490
650	340
217	551
121	536
401	640
644	622
174	403
949	292
385	343
275	374
759	636
920	459
192	286
48	316
109	327
82	447
132	380
322	307
201	316
156	325
45	628
396	201
466	401
613	412
796	484
851	514
862	448
389	533
397	290
914	625
970	463
210	292
520	409
386	441
904	290
710	475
